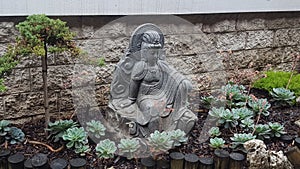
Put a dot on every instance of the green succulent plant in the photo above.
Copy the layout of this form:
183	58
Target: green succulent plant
239	139
247	124
224	116
276	129
15	135
106	149
58	128
76	138
208	101
4	127
82	150
128	147
262	131
260	106
178	136
283	97
216	143
160	142
235	95
96	128
243	112
214	132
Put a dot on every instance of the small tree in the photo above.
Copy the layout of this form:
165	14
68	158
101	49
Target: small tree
40	35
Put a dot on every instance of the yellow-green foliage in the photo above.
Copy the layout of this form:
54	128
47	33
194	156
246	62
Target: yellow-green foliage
277	79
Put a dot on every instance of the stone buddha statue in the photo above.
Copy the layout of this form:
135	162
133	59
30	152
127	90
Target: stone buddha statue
146	91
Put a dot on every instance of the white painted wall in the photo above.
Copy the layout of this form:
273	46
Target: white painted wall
143	7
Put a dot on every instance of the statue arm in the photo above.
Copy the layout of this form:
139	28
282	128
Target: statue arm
137	75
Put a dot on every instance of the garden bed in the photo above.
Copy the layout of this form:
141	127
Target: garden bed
34	131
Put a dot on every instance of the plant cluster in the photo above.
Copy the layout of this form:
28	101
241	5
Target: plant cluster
106	149
241	113
76	138
12	134
279	79
58	128
128	147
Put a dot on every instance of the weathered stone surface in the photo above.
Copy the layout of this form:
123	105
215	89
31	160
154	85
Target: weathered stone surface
282	20
65	101
209	80
259	157
287	37
216	23
112	49
102	94
27	104
231	41
259	39
250	21
3	47
197	63
18	81
188	44
104	74
7	32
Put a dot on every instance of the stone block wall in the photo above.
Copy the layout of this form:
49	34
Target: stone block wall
208	49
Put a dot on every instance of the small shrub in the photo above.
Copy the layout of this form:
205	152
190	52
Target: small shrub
283	97
276	129
106	149
216	143
58	128
279	79
15	135
178	137
240	139
128	147
260	106
96	128
160	142
75	138
262	131
214	132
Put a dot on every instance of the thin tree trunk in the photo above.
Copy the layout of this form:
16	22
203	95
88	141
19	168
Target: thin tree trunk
44	74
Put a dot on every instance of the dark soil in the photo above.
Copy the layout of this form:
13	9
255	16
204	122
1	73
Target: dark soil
197	143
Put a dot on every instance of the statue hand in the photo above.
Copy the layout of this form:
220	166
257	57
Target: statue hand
126	103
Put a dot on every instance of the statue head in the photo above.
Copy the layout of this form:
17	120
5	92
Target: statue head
151	40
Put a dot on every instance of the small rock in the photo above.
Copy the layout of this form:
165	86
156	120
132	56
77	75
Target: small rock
259	157
297	123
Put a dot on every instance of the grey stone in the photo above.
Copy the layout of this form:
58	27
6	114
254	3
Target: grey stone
283	20
231	41
146	91
259	157
251	21
287	37
219	23
259	39
188	44
18	81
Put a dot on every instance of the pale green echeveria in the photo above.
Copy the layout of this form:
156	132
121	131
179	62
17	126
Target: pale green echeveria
76	137
106	149
4	127
96	128
128	147
160	142
178	136
214	132
216	143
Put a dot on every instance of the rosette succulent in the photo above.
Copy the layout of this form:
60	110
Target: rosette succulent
75	137
15	135
240	139
178	136
96	128
160	142
283	96
128	147
276	129
58	128
214	132
4	127
106	149
260	106
216	143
